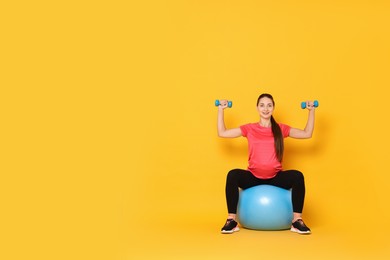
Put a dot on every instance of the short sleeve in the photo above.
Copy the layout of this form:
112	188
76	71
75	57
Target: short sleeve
245	129
285	129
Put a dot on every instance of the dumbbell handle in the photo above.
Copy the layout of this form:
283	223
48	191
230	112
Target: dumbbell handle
230	103
315	103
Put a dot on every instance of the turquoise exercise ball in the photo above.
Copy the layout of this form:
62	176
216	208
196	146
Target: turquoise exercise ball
265	207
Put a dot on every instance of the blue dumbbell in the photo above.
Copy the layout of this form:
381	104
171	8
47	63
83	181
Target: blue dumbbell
303	104
230	103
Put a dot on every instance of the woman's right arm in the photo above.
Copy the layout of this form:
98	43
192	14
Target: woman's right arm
222	131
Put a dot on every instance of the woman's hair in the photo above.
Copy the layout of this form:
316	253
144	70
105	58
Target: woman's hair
276	131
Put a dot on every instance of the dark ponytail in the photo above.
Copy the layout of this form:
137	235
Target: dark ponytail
276	131
278	138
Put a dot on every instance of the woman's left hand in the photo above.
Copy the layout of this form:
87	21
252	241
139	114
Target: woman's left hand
310	104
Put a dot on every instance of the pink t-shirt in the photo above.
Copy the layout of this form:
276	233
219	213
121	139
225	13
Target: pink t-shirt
262	161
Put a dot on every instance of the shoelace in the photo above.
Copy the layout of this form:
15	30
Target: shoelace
229	220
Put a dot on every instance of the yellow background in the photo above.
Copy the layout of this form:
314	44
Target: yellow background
108	129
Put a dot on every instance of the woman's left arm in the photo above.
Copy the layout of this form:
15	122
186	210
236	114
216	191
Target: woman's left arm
308	131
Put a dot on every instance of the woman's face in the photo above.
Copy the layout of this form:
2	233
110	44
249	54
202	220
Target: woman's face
265	108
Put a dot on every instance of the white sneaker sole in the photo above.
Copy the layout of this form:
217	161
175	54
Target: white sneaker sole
230	231
300	232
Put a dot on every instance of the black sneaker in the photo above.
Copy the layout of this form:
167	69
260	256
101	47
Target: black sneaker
230	226
300	227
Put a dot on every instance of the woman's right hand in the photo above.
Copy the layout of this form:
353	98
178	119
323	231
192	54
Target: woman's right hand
223	103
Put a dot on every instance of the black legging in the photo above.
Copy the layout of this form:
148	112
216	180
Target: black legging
290	179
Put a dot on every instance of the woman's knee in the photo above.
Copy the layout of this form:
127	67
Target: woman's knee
298	176
233	174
